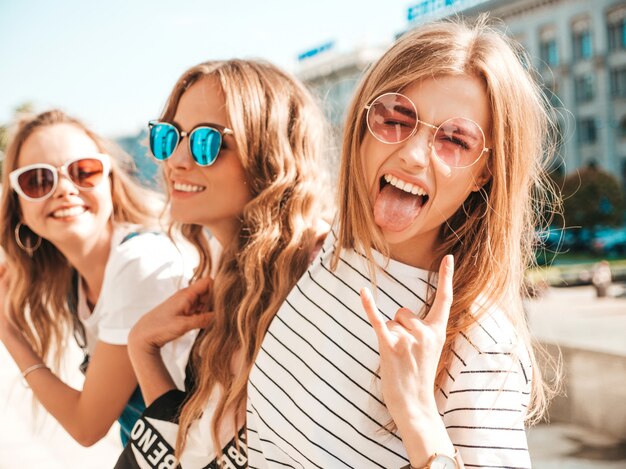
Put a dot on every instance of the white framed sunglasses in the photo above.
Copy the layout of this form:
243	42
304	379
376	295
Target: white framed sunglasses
36	182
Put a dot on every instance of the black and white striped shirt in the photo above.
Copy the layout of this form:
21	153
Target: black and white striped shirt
314	397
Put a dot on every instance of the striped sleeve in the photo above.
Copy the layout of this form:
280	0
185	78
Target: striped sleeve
486	399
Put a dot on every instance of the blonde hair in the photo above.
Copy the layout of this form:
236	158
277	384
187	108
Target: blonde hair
491	234
40	285
279	130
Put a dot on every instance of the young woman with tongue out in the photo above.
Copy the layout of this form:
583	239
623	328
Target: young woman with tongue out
442	156
83	256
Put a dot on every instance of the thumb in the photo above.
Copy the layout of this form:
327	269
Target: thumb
440	311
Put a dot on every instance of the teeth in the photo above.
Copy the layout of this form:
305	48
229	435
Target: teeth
69	212
403	185
187	187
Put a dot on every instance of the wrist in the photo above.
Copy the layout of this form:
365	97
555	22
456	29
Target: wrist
138	344
425	437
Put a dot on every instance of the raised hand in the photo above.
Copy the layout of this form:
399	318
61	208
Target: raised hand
410	349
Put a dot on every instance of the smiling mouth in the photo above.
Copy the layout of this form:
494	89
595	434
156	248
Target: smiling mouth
398	203
69	212
180	187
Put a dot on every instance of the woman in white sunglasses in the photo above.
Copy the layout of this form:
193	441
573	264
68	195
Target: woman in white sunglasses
83	257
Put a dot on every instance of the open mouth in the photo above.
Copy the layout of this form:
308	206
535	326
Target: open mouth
398	203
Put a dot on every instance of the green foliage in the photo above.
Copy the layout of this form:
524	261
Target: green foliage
593	197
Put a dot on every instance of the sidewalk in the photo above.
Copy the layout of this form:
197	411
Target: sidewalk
574	317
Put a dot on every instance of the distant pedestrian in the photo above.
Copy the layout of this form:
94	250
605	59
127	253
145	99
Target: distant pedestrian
601	278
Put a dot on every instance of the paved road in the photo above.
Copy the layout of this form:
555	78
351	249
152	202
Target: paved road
573	316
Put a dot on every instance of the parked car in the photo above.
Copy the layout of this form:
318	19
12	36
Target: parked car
610	242
554	239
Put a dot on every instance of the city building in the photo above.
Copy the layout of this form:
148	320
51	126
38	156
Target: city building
578	46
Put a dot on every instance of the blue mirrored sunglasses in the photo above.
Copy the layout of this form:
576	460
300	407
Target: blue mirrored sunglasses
205	141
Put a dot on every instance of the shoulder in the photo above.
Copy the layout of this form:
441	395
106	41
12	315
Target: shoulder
142	249
492	345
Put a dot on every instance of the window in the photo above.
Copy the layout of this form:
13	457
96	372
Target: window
617	35
582	38
549	52
618	83
584	88
622	128
616	24
587	131
583	49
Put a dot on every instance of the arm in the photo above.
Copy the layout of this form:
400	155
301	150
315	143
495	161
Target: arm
486	406
179	314
88	415
410	349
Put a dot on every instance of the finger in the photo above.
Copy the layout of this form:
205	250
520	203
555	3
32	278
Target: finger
440	311
200	286
407	319
374	316
196	295
196	321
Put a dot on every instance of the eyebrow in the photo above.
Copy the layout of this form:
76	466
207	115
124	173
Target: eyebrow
405	111
466	132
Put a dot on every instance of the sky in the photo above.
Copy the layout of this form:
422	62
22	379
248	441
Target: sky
113	63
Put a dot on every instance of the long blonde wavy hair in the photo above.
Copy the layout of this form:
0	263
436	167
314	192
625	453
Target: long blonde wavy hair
491	234
40	285
279	133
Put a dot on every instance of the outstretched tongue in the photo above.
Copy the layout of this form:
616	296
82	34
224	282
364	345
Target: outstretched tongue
394	209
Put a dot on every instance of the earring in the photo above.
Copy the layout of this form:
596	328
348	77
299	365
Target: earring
28	247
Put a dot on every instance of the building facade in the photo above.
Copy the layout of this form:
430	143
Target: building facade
578	46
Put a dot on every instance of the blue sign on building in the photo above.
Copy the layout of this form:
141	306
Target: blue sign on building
430	9
316	50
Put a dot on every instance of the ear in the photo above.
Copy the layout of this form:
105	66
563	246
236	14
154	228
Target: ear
482	178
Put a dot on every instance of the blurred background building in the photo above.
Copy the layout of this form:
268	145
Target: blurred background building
578	46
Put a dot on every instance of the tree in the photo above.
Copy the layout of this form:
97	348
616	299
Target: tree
593	197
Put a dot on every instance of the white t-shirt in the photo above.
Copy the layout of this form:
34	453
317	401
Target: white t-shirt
314	398
143	270
153	437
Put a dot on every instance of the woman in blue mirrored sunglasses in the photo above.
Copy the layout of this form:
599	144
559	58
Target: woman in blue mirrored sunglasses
259	190
205	141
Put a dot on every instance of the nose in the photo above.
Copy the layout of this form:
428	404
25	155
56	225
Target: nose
416	151
64	186
181	158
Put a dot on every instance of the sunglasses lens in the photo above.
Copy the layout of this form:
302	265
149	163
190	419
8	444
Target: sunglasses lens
205	143
391	118
36	183
459	142
86	173
163	140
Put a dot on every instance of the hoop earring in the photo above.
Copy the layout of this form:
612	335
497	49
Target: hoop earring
28	247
